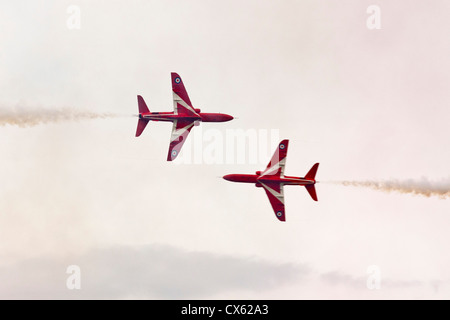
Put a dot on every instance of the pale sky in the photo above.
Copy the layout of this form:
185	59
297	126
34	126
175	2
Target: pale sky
366	104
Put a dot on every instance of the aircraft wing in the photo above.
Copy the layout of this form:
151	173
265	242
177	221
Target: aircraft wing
180	131
181	102
276	197
278	161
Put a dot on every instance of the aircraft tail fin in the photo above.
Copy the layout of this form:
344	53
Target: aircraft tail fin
312	191
142	123
142	105
311	175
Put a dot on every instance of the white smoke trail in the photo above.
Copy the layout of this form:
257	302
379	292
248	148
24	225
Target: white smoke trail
422	187
28	117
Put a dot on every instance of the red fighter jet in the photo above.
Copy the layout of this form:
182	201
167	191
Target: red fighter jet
273	179
184	117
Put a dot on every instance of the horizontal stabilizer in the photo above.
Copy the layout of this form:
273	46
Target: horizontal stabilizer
142	123
312	191
142	105
311	175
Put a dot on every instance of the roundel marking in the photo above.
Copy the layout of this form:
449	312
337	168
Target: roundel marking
282	146
279	214
174	153
177	80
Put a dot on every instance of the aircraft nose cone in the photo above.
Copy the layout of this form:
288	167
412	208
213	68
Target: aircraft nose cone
229	177
227	117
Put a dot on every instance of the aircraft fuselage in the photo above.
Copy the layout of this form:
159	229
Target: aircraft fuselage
171	116
256	178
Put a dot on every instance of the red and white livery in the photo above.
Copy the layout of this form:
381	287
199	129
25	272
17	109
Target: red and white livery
184	117
272	179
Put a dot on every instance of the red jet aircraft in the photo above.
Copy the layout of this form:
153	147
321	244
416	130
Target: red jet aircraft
273	179
184	117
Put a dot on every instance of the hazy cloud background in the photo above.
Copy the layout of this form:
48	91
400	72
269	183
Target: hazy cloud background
367	105
153	271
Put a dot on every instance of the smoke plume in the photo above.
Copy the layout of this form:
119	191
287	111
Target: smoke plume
422	187
28	117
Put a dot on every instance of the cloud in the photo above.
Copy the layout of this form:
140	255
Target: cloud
340	278
167	272
336	278
152	271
